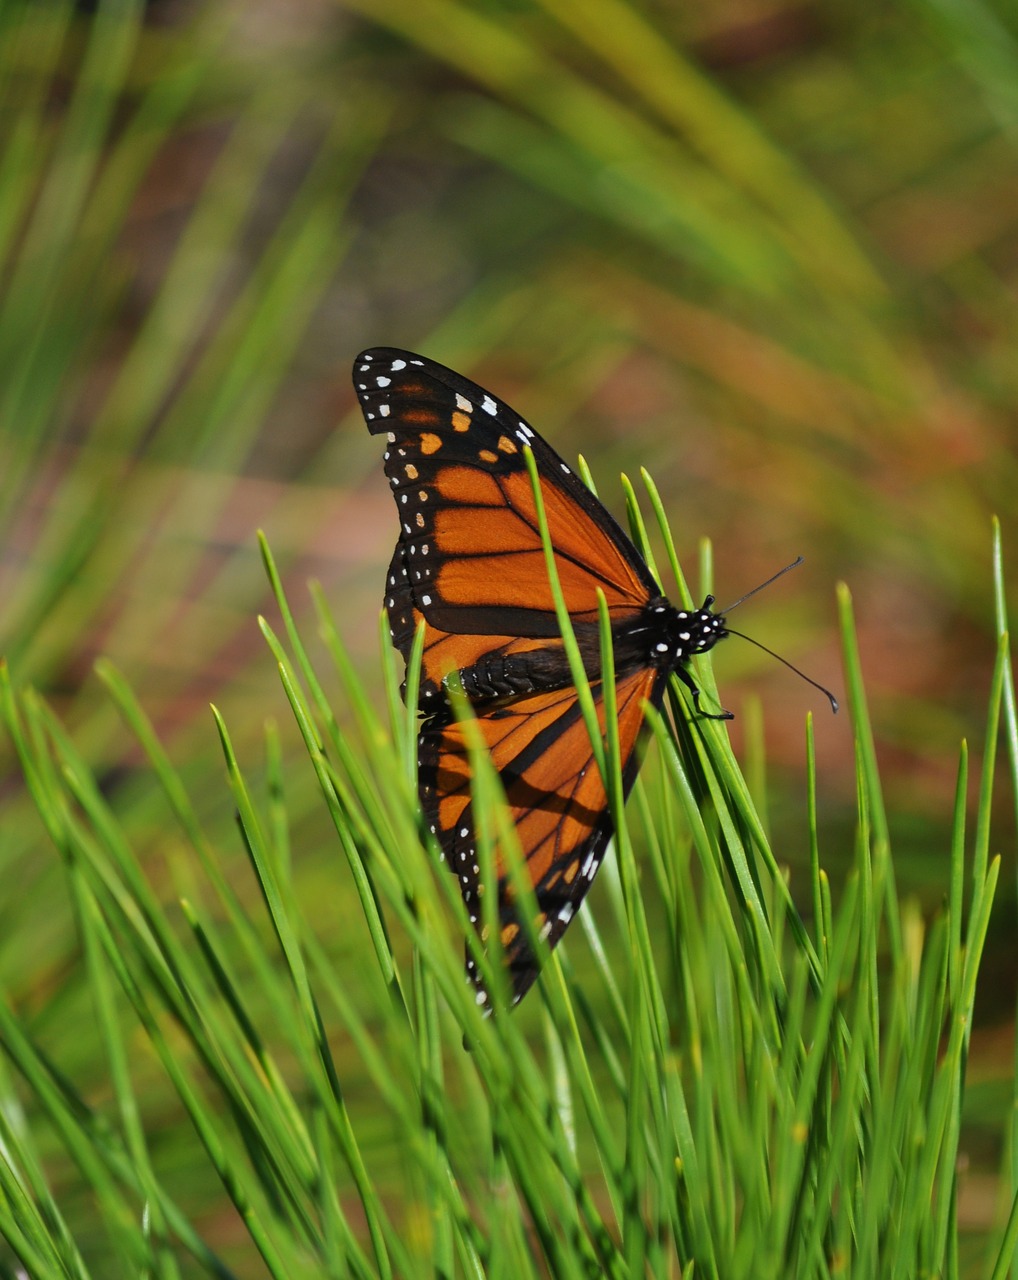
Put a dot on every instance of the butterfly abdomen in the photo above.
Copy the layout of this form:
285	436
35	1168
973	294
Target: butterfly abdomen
535	670
513	675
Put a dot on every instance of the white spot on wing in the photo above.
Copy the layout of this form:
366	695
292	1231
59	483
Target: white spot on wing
489	406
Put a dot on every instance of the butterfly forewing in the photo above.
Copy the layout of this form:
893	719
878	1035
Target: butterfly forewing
469	559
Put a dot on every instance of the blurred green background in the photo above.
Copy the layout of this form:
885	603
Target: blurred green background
767	250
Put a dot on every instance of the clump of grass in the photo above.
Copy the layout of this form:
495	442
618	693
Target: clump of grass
704	1083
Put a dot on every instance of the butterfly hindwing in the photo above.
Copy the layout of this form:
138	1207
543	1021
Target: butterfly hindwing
540	749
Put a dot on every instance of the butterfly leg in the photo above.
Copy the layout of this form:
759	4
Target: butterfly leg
694	689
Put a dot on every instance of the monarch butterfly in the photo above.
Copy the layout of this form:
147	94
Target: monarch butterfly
470	563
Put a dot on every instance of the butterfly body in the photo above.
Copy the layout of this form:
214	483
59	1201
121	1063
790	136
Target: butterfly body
661	637
469	564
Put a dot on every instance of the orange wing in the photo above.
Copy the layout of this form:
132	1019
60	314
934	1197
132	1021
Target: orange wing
540	748
469	559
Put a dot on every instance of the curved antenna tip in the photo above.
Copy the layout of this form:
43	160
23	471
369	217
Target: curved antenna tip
791	666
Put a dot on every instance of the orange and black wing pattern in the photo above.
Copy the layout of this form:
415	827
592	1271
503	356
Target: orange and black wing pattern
469	559
469	564
541	751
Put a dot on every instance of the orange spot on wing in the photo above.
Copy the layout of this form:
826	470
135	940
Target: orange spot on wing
430	443
411	471
507	445
486	455
460	421
466	484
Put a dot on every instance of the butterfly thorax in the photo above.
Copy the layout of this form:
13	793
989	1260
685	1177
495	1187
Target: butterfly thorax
663	636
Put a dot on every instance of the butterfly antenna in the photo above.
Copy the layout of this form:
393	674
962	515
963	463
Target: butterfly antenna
773	578
784	661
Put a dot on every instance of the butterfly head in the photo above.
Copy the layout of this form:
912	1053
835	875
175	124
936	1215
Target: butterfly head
699	629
